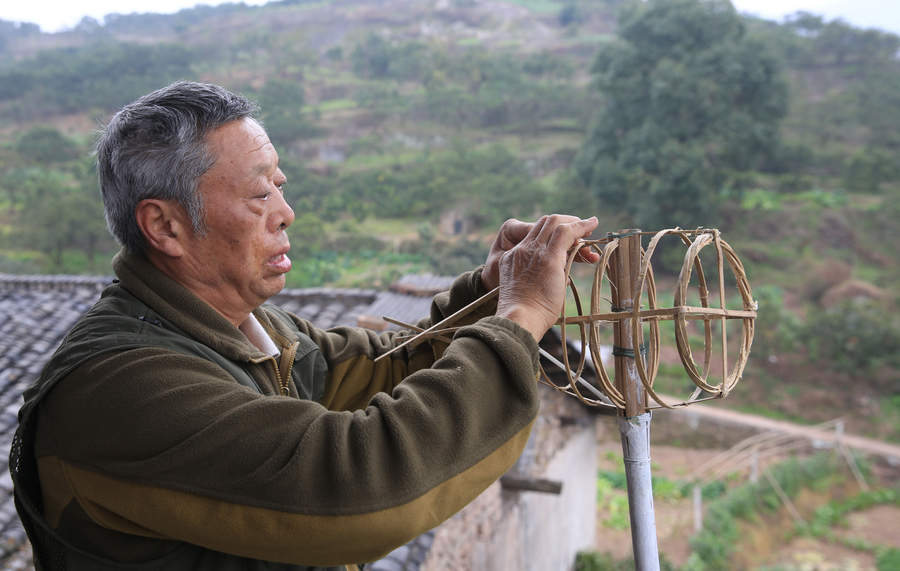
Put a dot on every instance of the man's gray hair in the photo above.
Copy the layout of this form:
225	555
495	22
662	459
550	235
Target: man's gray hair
155	148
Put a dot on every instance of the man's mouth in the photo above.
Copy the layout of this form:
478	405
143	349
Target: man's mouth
280	263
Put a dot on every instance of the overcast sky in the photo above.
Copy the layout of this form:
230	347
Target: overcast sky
54	15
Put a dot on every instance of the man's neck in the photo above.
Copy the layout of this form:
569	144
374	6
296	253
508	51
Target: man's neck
236	313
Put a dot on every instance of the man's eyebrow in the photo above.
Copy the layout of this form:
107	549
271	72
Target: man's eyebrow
263	167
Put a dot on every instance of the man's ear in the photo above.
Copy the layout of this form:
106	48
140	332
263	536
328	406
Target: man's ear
164	225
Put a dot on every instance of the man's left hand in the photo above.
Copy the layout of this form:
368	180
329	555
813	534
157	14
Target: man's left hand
511	233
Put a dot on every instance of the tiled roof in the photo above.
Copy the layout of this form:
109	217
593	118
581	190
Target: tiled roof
326	307
35	314
37	311
400	307
423	285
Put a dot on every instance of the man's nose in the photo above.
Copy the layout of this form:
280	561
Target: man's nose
285	214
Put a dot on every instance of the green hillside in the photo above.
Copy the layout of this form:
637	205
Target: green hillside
409	130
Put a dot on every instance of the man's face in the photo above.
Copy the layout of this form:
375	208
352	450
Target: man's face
242	258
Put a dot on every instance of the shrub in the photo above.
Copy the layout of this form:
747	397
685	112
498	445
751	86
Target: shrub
853	336
777	328
888	560
712	547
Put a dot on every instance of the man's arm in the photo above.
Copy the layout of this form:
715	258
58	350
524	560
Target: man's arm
350	352
211	463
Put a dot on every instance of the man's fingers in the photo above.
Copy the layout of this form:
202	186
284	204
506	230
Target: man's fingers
512	232
588	255
565	235
584	254
537	228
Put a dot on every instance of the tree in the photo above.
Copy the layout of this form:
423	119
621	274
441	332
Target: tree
102	74
282	111
372	57
688	99
568	15
46	145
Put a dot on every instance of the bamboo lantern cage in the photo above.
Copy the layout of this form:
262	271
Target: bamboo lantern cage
632	287
643	309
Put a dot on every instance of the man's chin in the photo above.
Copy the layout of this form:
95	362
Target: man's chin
273	285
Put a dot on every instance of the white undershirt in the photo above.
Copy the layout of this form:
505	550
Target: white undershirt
255	333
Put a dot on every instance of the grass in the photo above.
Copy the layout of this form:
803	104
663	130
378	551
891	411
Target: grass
73	262
611	487
713	546
365	162
362	268
332	105
769	412
539	6
834	512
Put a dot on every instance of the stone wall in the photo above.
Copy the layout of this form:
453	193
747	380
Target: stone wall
507	529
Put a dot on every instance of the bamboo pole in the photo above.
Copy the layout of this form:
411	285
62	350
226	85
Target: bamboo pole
634	426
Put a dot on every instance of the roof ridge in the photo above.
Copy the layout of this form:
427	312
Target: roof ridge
51	281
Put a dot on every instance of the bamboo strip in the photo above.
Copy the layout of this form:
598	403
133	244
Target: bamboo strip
424	335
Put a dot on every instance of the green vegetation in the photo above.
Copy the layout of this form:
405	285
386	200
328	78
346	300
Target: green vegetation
99	75
653	151
593	561
833	515
614	506
727	505
612	502
888	559
713	545
835	511
854	336
408	136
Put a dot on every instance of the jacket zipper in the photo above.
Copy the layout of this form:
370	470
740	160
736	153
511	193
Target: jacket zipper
282	382
284	388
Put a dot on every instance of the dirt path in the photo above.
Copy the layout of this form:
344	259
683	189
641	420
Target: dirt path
888	451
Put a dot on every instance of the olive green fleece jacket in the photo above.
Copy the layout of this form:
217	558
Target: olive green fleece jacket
172	443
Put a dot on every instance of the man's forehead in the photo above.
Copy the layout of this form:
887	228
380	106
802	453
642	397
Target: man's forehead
243	139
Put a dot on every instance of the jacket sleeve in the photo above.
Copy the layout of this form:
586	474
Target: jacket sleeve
162	445
353	376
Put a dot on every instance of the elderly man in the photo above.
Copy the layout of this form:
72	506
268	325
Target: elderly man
184	425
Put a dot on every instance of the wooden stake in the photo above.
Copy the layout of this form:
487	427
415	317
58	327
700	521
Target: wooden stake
627	262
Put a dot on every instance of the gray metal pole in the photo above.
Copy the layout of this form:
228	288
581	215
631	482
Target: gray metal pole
635	433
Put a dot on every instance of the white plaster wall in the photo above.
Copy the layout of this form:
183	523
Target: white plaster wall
544	532
555	528
505	530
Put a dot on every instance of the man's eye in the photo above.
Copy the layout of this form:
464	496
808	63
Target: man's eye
265	196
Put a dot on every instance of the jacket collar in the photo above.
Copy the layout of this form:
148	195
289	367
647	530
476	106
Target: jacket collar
178	305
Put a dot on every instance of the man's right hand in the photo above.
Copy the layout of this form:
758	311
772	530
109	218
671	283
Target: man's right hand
532	272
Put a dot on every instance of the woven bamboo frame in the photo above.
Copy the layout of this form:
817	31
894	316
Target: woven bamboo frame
589	325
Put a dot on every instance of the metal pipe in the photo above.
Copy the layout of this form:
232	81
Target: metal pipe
635	432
